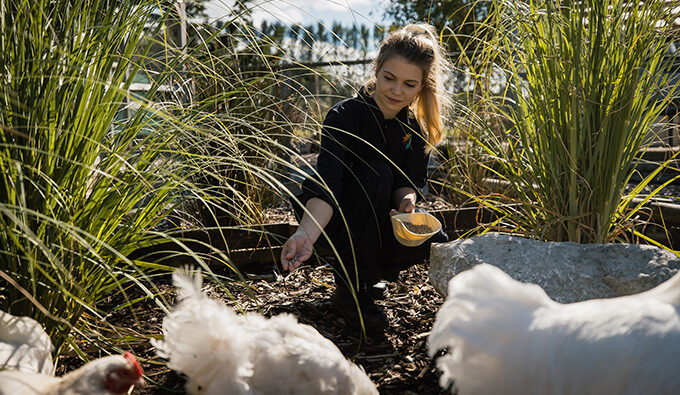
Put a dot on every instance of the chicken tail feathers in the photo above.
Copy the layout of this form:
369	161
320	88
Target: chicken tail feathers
188	282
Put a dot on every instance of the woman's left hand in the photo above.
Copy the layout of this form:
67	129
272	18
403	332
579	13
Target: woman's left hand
405	199
407	204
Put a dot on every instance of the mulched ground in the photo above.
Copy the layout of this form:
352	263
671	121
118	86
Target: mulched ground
397	363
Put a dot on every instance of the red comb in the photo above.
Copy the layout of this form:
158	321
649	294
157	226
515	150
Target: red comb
128	355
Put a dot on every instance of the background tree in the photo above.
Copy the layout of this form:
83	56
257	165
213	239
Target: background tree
352	37
379	33
308	34
178	12
337	32
365	37
457	19
294	32
195	9
321	32
264	29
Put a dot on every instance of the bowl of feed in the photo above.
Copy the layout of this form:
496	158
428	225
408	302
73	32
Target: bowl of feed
412	229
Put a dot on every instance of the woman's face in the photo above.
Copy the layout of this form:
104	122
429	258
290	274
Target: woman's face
397	84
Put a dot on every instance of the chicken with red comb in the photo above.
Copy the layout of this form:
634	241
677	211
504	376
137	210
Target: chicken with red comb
112	375
26	363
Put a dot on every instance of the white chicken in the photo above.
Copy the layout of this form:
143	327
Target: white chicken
26	363
24	345
500	336
222	352
112	375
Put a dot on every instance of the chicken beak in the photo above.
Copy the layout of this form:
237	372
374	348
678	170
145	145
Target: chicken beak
139	383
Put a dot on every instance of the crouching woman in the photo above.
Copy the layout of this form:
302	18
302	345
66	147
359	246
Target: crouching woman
373	161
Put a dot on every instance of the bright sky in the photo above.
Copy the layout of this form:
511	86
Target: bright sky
306	12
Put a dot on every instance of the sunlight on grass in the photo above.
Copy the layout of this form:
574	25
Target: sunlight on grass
92	173
586	81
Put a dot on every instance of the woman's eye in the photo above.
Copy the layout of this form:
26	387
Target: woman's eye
410	85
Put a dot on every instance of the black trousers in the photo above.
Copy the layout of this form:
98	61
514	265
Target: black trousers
361	230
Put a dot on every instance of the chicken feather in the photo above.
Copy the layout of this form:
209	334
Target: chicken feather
26	366
111	375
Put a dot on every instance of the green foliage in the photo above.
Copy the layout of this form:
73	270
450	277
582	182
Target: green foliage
82	185
91	172
589	78
69	183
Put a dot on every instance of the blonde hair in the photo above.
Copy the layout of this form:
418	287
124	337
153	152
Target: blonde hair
418	44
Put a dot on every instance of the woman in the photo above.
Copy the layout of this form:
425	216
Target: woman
373	161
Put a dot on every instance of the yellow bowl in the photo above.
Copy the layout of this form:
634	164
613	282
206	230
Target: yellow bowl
408	238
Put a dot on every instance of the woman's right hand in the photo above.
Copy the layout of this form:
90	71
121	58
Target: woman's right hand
296	250
298	247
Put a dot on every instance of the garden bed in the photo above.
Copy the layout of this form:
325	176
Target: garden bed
397	363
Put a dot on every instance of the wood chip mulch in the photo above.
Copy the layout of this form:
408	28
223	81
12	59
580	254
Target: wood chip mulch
397	363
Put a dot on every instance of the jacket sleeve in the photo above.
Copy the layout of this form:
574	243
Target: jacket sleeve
415	164
335	140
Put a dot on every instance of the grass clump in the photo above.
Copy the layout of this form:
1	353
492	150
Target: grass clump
83	185
588	79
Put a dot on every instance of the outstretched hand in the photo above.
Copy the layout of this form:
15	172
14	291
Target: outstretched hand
296	250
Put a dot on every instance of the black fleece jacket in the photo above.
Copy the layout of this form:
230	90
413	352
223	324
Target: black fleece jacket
355	133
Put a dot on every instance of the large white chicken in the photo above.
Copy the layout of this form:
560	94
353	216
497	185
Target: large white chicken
26	363
500	336
222	352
